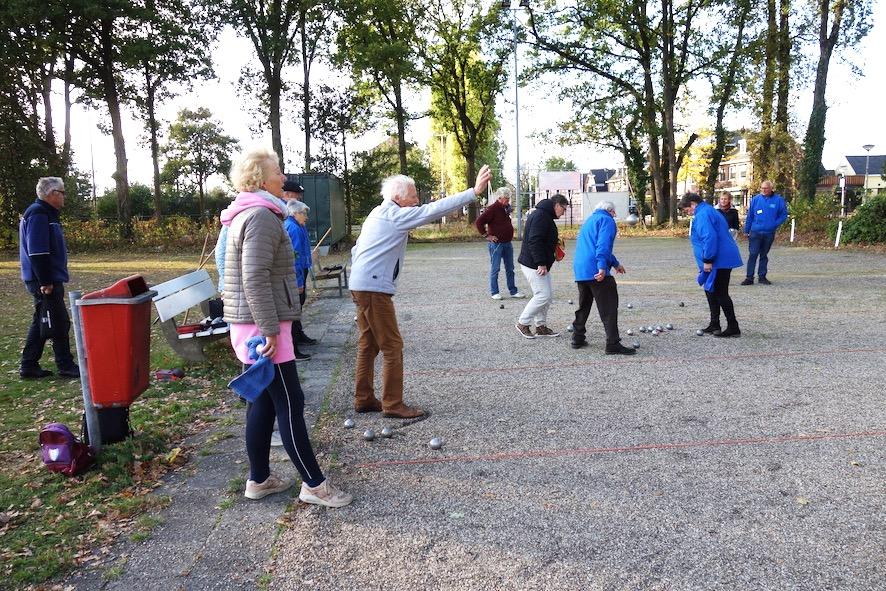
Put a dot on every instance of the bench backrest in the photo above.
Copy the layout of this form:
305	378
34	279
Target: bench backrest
177	295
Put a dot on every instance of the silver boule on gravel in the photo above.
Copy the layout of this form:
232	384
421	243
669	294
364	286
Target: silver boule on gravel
630	332
682	304
348	424
501	306
659	328
655	333
699	332
387	432
650	328
643	329
630	305
570	328
636	344
369	435
435	443
669	326
570	302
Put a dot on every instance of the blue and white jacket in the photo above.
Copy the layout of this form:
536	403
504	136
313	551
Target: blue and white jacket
765	214
377	257
42	251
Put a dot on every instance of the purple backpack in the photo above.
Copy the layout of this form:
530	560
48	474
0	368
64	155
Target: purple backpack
62	452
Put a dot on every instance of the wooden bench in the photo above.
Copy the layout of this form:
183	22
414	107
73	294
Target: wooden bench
340	275
175	297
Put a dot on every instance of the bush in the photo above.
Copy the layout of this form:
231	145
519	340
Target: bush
869	222
172	230
813	216
83	235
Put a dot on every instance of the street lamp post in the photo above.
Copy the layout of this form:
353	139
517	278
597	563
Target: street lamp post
506	5
867	159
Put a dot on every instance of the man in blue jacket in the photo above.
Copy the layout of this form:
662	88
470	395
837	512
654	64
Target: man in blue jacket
592	266
44	259
766	213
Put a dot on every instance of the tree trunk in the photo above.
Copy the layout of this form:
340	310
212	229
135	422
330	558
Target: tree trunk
155	145
274	86
344	154
813	144
400	115
784	66
112	98
66	148
48	130
306	92
471	178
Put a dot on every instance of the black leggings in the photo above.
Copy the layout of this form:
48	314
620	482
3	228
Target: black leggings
285	401
719	299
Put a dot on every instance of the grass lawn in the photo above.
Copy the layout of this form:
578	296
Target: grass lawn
50	523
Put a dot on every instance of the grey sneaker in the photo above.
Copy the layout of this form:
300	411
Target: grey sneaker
273	484
326	494
544	331
524	330
276	441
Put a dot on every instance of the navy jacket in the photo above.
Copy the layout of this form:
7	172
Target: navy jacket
593	248
42	251
711	241
539	237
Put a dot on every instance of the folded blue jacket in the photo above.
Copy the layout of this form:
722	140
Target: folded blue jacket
251	383
706	279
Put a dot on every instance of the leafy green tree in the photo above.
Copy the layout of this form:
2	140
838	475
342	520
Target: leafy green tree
378	40
559	163
373	166
197	149
173	48
314	33
464	67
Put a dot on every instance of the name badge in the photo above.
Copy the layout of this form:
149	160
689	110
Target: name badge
759	211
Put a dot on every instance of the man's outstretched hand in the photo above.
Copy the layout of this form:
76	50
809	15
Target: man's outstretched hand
483	178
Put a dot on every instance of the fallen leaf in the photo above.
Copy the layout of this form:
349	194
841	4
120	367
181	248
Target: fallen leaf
802	501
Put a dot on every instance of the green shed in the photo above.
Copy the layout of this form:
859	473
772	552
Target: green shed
324	194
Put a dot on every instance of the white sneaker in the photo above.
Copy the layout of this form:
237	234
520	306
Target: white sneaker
275	439
273	484
519	295
326	494
496	296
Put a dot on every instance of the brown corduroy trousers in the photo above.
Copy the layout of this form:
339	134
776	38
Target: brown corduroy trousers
378	330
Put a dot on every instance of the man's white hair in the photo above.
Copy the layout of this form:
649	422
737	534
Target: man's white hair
47	185
293	207
395	186
606	206
499	193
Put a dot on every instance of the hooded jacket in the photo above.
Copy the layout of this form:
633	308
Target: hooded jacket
539	237
43	253
377	257
593	248
259	275
711	241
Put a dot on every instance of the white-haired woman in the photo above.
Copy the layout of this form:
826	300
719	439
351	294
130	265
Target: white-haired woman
296	217
259	295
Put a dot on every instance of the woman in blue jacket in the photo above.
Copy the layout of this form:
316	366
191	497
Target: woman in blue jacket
296	215
716	254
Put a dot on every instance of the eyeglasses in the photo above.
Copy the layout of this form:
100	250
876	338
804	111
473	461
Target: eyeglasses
60	191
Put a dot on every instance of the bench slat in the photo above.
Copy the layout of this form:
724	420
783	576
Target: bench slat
168	288
178	302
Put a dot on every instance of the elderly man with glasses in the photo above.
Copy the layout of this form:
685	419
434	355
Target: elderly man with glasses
44	261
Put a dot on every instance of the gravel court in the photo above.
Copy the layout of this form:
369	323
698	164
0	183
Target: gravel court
801	514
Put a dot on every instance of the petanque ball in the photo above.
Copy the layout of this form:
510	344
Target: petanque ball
642	329
369	435
630	305
570	328
682	304
630	332
387	432
570	302
435	443
669	326
655	333
699	332
650	328
349	424
636	344
659	328
501	306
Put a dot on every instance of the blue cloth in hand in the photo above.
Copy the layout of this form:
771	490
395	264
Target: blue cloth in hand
252	382
706	279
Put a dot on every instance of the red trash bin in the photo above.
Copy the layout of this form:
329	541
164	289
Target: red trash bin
117	339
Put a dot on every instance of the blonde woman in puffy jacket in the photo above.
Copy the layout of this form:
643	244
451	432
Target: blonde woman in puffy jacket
261	299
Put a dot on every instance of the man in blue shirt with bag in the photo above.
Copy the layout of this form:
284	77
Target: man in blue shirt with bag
766	213
592	267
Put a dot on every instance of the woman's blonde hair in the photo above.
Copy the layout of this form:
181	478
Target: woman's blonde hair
250	169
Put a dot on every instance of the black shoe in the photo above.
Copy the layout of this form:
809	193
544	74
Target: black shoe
34	374
70	372
764	281
304	339
711	328
619	349
748	281
299	356
731	331
578	344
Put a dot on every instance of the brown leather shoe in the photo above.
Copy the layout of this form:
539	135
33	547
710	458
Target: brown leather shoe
404	412
372	406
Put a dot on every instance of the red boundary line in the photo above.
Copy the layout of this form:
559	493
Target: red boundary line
519	455
633	360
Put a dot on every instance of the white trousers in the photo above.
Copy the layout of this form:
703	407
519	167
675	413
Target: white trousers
536	309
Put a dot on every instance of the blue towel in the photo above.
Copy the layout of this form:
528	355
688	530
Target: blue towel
706	279
252	382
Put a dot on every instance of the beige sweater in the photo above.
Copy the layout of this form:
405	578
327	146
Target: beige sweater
260	283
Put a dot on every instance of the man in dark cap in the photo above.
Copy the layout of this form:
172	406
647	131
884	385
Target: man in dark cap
292	190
